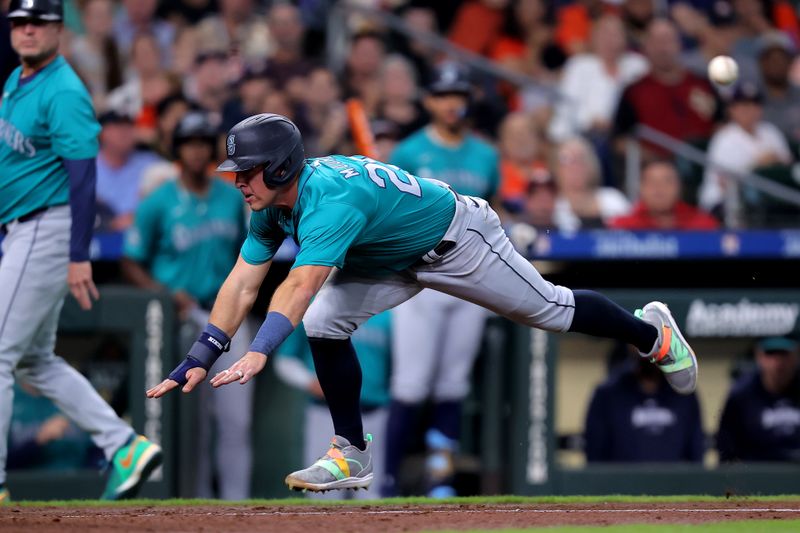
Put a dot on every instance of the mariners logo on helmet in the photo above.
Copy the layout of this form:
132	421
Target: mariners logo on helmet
27	4
231	144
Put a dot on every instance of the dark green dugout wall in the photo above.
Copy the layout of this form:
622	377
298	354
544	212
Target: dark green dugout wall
145	322
530	443
511	407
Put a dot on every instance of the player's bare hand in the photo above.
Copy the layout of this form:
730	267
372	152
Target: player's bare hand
81	285
193	377
52	429
242	370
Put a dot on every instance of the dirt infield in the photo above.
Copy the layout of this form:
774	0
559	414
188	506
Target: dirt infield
370	518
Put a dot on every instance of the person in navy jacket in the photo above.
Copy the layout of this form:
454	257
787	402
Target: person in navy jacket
636	417
761	418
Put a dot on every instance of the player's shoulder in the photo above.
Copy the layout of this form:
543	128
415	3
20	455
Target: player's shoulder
413	141
64	79
164	194
746	387
224	189
481	147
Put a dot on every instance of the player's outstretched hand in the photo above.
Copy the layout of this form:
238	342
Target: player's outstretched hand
81	285
193	377
242	370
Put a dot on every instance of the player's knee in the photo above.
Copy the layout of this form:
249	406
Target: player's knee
318	323
555	315
450	390
409	391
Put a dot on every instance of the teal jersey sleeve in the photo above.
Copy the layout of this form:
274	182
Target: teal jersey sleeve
327	232
264	237
141	238
73	125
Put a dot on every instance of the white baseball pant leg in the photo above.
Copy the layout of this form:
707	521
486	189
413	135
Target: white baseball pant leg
33	284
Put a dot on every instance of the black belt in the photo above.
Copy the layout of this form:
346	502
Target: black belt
442	248
30	216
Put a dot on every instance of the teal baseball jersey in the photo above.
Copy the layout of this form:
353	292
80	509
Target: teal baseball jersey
42	121
355	213
188	242
471	168
373	343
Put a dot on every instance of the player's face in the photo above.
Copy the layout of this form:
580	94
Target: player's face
35	40
195	156
256	193
777	368
447	110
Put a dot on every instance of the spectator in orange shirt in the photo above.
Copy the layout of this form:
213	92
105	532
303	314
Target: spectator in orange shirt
478	24
660	206
521	156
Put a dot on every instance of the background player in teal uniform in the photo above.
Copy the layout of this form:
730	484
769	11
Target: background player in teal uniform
185	239
295	365
438	336
371	236
48	144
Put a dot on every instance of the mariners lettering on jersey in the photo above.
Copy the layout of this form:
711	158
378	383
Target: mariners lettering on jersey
15	140
652	417
184	237
783	419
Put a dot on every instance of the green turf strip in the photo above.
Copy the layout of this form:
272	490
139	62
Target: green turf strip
472	500
744	526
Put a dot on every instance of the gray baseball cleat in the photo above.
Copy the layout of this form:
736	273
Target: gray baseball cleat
342	467
671	353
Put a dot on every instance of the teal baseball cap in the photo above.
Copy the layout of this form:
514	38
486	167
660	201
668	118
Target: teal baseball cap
777	344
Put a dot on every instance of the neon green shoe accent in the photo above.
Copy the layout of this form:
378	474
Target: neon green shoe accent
331	467
680	353
130	468
5	496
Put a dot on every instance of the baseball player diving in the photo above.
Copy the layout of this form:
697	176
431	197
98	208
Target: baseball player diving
48	144
370	237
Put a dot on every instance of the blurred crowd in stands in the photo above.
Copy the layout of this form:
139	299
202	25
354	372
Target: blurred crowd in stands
597	70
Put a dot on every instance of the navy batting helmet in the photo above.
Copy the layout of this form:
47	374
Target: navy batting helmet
194	125
266	139
450	78
48	10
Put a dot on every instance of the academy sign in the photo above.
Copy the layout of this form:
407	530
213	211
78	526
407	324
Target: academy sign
741	319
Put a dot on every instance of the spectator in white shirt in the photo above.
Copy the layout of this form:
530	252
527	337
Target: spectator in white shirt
744	143
582	202
592	82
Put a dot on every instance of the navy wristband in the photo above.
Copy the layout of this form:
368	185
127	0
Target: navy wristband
275	329
210	345
179	374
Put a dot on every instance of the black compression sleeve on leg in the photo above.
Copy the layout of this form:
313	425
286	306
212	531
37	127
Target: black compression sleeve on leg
339	375
597	315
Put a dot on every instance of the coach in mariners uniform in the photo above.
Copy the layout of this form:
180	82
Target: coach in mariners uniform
438	336
48	145
371	236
